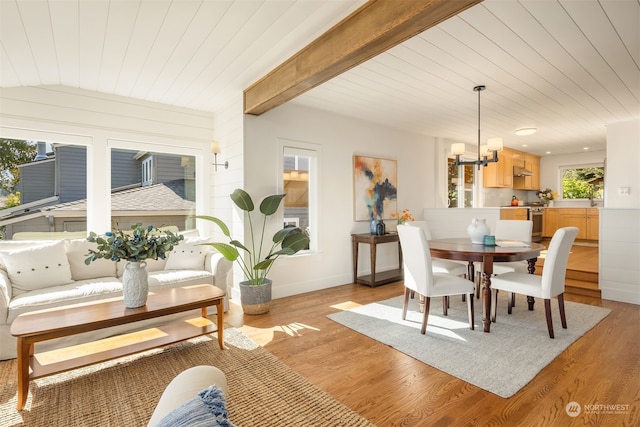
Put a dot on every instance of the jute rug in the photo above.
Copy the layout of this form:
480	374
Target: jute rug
262	390
502	361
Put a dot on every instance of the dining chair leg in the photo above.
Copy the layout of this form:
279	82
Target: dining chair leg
425	317
405	302
510	301
494	304
547	311
445	305
563	317
513	299
471	313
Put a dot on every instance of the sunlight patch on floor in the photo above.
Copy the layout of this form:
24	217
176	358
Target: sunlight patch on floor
265	335
347	305
440	325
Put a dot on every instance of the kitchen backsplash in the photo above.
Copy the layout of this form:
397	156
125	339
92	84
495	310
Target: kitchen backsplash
496	197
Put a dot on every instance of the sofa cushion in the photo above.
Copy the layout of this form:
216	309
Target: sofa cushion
37	267
208	408
173	278
71	293
77	251
188	254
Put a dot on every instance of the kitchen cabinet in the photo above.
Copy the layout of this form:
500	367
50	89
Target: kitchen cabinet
513	213
500	174
530	162
574	217
593	224
550	221
535	169
586	219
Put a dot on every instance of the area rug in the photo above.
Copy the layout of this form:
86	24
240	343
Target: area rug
502	361
263	391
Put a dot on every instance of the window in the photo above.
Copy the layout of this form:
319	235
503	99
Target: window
147	171
299	177
45	190
460	188
167	197
583	182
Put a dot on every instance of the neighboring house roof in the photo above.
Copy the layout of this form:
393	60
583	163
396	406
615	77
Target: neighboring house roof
166	198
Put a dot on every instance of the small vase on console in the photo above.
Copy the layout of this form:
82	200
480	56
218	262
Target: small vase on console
377	227
477	230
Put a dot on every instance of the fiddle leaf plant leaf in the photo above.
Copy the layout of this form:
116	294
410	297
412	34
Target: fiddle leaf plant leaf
243	200
270	204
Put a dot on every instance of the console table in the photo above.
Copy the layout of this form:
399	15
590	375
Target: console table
379	278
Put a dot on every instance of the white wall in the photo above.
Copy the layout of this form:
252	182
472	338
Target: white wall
339	139
620	219
100	122
623	165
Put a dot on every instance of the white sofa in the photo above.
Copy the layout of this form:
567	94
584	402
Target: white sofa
41	274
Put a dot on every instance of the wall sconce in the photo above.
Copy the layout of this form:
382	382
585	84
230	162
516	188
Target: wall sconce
215	149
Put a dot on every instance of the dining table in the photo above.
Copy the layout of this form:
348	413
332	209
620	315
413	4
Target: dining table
461	249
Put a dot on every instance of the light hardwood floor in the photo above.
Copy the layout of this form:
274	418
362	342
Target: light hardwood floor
393	389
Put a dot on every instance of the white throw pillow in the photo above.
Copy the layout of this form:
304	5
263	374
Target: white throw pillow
189	254
37	267
77	251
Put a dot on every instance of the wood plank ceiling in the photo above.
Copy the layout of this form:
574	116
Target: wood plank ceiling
567	67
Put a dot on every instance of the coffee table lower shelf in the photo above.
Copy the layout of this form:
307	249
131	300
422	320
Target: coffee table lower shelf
66	359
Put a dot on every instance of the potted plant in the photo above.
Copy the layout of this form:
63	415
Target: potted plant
134	246
255	290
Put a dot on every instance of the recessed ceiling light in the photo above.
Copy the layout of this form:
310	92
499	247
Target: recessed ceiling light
586	148
548	152
526	131
524	145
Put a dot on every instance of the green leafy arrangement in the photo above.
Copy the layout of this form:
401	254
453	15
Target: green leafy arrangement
259	258
136	245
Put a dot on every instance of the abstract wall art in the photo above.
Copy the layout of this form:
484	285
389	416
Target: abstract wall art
375	188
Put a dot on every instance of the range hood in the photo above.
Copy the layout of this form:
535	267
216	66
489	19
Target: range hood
520	171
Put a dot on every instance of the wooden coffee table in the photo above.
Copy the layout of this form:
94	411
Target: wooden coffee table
44	325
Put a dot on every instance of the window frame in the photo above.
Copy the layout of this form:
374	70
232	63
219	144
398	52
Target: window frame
313	151
563	168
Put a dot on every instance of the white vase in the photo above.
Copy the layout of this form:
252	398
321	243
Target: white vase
550	204
477	230
135	284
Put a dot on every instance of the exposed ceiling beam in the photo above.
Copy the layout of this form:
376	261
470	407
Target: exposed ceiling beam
372	29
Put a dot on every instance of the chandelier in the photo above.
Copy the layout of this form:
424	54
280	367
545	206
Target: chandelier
486	153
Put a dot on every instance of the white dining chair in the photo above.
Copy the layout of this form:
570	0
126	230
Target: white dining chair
508	229
550	284
512	229
419	276
457	268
